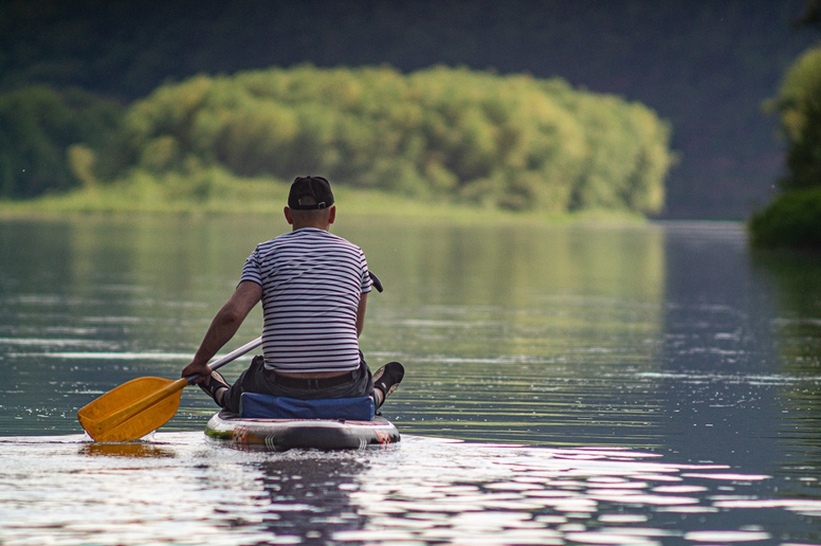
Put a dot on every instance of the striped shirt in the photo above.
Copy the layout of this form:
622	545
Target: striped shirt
312	282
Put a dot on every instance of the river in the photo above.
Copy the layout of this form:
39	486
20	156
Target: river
565	384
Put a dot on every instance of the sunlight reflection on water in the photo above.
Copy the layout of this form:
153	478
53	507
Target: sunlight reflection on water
180	488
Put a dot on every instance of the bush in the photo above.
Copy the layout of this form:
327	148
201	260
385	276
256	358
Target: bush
792	220
513	142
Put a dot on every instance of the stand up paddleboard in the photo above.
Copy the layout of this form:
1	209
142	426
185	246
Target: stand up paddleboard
284	434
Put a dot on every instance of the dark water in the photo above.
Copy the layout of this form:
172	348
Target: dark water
603	384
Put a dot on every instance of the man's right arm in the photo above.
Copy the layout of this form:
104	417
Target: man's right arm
225	324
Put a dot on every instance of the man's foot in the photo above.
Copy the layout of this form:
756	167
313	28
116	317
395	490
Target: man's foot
216	387
386	379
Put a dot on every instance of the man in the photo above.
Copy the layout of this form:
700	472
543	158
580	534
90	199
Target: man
313	286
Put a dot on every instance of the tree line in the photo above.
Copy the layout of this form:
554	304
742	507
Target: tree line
514	142
696	62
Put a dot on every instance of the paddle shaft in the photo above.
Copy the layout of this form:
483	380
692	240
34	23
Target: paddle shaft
233	355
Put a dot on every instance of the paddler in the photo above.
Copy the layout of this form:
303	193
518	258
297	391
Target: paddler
313	286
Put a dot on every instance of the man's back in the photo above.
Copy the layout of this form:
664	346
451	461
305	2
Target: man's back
312	282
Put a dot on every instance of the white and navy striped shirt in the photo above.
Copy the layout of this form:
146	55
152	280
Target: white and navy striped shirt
312	282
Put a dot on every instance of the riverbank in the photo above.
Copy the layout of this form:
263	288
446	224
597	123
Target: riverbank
264	196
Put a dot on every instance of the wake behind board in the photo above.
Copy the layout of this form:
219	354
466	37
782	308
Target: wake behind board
285	434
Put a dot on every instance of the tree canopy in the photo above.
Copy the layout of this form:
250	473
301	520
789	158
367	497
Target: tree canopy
799	106
514	142
37	127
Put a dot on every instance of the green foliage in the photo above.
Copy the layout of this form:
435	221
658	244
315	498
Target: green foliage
37	126
799	106
792	220
512	142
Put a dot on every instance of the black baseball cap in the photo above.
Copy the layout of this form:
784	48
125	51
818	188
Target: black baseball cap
315	187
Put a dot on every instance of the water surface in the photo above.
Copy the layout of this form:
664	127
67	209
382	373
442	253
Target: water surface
179	489
652	384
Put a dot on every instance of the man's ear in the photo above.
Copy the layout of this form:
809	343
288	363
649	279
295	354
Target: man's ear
332	215
288	216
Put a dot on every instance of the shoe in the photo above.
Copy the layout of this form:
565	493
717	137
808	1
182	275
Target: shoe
387	379
216	383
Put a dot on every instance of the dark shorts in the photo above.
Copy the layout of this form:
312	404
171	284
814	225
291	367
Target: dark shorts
257	379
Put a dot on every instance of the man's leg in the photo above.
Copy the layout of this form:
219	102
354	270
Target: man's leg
250	380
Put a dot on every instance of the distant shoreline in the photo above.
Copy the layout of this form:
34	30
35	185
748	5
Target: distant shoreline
268	198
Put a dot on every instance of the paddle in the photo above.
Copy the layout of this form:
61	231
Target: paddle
141	405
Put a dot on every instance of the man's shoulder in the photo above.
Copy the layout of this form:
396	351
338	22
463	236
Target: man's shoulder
318	235
311	236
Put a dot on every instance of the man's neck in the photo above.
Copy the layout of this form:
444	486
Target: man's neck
311	226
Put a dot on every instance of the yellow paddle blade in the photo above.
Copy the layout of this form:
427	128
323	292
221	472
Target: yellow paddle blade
132	410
